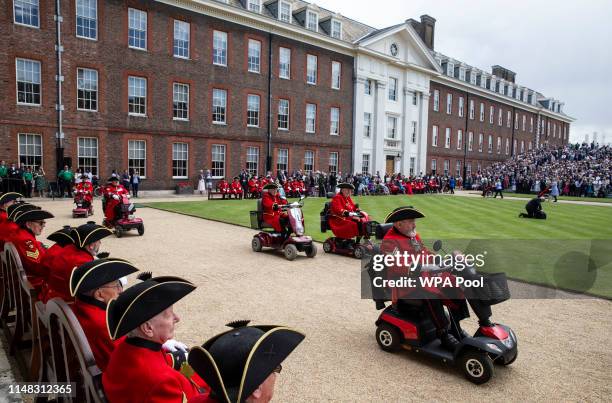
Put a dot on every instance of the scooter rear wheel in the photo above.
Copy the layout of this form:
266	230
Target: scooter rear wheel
358	252
327	246
290	252
141	229
118	231
256	244
477	367
388	337
311	251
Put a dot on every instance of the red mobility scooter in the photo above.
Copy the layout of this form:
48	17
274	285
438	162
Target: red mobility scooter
123	219
83	205
291	243
414	330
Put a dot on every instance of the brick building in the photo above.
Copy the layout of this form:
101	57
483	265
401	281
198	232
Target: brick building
478	118
168	88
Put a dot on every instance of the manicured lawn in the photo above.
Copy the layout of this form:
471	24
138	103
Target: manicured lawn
572	198
538	251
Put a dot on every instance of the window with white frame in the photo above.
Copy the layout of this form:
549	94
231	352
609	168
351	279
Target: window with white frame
217	168
482	112
284	65
434	166
415	98
283	114
137	157
483	81
87	19
137	29
514	147
458	168
28	81
336	29
87	154
253	102
284	11
473	77
219	106
367	124
308	161
450	69
524	122
468	169
333	163
459	139
180	101
87	89
449	104
252	160
491	114
311	69
492	84
461	106
254	56
311	118
500	117
391	127
412	165
254	5
334	124
507	147
516	121
413	136
531	125
480	141
499	141
220	48
522	146
471	109
447	138
30	150
436	100
26	12
446	167
434	136
461	74
509	119
312	21
180	158
470	141
392	89
137	96
530	145
365	164
282	161
180	45
336	75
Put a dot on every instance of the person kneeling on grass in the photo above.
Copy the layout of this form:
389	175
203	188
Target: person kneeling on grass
242	364
534	209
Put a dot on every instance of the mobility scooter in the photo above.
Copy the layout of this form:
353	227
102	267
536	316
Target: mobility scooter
414	330
356	247
83	207
124	219
290	244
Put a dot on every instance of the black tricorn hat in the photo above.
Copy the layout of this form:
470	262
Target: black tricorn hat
141	302
88	233
236	177
346	186
62	236
9	196
16	208
94	274
270	186
113	178
235	363
403	213
34	214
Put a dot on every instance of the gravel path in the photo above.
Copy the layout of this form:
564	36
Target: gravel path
564	351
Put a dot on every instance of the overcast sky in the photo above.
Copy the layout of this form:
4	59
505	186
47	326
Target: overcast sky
562	49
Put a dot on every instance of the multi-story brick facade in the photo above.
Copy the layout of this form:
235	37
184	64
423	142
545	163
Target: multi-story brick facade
133	122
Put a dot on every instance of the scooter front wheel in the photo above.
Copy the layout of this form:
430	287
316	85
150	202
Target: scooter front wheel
256	244
290	252
311	251
477	367
388	337
327	246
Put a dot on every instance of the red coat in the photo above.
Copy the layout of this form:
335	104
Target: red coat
109	191
253	186
271	216
341	226
223	187
60	269
138	372
31	252
7	229
87	190
91	314
236	187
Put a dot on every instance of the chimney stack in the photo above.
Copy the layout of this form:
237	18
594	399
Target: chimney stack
425	29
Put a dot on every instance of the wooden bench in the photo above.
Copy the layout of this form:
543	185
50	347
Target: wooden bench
66	355
212	194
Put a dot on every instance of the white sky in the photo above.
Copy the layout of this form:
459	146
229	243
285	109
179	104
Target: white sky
562	49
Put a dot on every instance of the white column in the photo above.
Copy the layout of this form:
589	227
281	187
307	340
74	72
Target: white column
407	131
422	123
378	163
358	124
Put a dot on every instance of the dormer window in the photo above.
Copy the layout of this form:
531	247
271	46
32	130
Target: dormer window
473	77
461	74
483	81
254	5
492	84
336	29
284	11
312	21
450	69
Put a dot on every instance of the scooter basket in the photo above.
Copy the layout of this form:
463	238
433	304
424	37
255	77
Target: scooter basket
371	228
256	219
495	288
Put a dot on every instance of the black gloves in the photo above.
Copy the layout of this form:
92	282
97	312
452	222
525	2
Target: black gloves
345	213
275	207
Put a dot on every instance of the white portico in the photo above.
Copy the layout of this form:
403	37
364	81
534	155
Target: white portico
392	72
